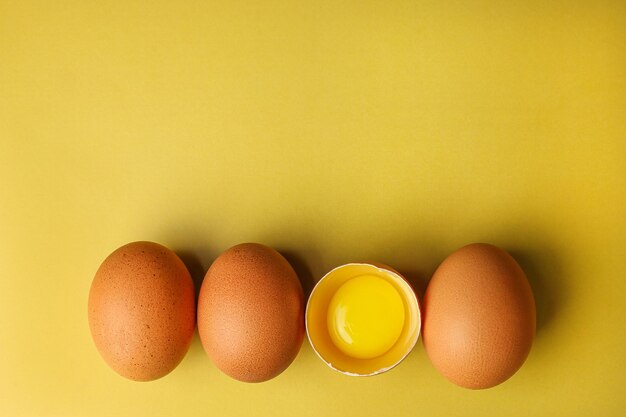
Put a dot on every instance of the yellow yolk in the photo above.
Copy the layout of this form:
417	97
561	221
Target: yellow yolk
365	317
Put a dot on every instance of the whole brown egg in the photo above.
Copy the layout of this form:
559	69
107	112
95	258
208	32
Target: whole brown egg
251	313
142	310
479	317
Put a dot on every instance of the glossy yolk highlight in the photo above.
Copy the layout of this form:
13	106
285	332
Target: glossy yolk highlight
365	317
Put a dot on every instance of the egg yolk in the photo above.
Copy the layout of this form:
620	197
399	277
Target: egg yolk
365	317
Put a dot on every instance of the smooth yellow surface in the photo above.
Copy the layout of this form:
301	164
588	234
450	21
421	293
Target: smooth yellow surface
365	317
394	131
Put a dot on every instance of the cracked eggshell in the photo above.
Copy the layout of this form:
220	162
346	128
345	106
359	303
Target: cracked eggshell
317	329
479	317
142	310
251	313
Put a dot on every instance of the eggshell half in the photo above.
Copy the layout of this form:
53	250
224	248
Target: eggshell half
317	329
479	317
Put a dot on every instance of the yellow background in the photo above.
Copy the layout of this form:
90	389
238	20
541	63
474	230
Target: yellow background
334	131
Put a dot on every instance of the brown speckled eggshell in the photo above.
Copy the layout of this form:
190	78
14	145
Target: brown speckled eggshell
142	310
251	313
479	317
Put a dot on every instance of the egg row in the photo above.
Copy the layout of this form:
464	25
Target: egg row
478	314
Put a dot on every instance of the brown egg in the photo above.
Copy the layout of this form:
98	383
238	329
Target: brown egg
142	310
479	317
251	313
